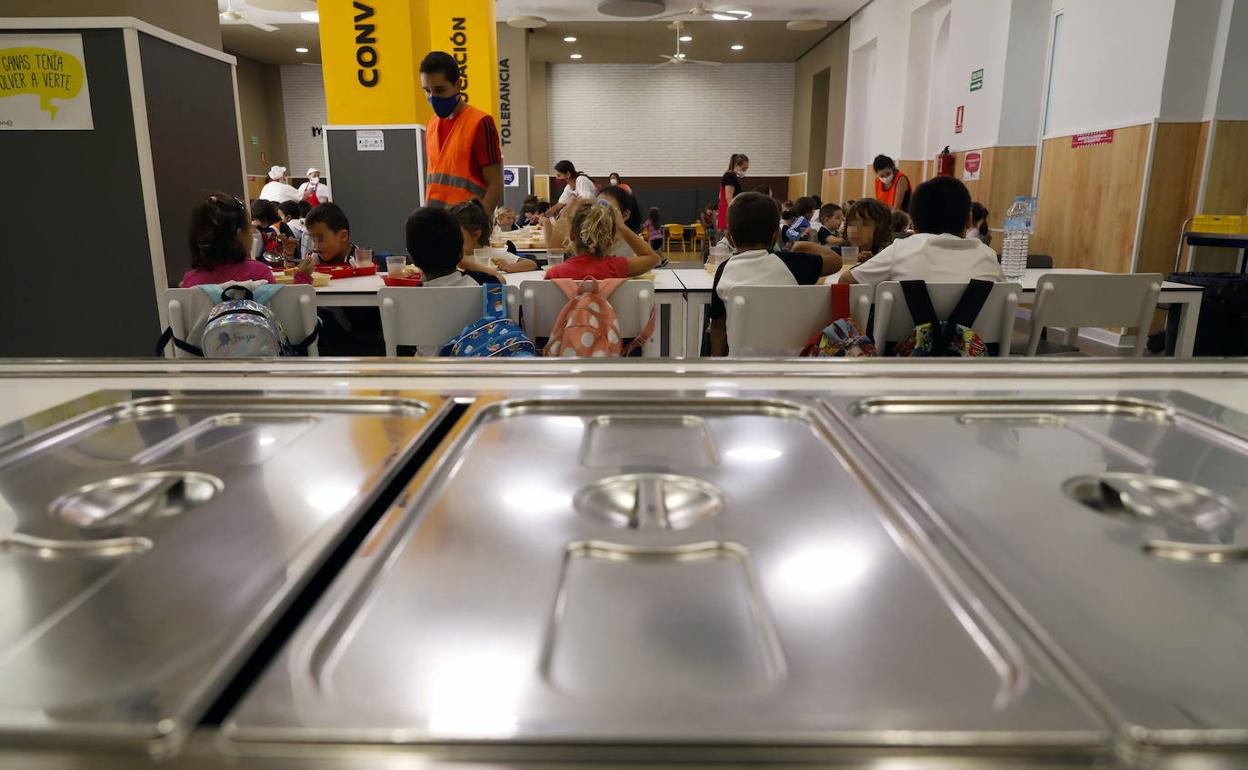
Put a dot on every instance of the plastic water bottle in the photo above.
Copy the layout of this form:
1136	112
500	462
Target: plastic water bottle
1017	243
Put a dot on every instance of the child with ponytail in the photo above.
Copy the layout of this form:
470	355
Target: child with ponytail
220	245
596	225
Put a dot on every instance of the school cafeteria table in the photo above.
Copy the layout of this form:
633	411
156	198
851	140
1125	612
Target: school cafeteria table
1181	295
668	293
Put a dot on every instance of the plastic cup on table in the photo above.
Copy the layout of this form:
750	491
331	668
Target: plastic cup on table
363	257
849	255
554	256
395	265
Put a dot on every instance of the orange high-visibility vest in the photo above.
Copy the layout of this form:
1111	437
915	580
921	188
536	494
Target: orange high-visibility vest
889	197
452	176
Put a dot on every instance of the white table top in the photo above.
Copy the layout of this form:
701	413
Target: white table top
701	280
664	280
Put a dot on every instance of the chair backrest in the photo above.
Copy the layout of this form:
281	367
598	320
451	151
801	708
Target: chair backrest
995	323
428	317
1039	262
780	320
1073	300
699	229
675	231
633	301
294	306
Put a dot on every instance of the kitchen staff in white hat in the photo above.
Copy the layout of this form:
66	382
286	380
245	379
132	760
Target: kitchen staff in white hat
314	191
277	189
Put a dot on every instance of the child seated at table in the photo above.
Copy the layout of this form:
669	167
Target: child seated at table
504	220
831	220
752	231
937	252
901	225
435	239
476	235
803	210
220	242
330	231
595	228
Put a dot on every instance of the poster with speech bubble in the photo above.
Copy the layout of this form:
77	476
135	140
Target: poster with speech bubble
43	84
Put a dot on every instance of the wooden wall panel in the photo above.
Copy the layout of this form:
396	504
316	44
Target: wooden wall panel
830	185
1177	159
851	188
797	185
541	186
1090	200
1226	191
912	169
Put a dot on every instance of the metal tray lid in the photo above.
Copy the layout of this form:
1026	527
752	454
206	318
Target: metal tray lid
146	544
654	572
1115	524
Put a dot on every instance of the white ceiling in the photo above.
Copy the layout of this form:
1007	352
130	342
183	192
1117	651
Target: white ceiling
763	10
268	11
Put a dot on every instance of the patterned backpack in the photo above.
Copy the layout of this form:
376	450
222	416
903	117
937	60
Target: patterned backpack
842	338
494	335
240	325
936	338
588	325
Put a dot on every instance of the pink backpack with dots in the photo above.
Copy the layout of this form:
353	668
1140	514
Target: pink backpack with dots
587	325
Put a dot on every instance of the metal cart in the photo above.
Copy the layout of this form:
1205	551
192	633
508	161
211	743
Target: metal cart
1218	240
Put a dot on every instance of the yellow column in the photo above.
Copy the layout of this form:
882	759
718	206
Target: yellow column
371	52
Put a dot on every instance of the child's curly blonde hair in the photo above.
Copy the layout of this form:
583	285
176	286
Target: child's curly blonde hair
594	229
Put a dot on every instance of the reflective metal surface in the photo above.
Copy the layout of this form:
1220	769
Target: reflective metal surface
145	546
489	609
1114	526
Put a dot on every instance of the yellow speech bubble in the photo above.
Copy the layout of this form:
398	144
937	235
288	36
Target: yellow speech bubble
47	72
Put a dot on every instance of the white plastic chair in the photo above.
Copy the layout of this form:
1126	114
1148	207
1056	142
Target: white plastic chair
1075	300
994	324
294	306
428	317
633	302
779	320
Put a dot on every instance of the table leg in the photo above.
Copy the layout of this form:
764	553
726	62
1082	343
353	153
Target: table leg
673	329
1189	315
695	323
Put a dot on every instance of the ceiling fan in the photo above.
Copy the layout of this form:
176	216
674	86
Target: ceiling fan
681	58
231	16
700	11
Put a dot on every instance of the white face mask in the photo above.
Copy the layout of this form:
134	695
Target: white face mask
887	179
314	180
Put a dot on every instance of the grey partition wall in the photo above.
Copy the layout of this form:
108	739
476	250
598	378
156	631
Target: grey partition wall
92	214
377	188
521	178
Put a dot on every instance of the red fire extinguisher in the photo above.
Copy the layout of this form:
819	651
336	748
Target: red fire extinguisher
944	163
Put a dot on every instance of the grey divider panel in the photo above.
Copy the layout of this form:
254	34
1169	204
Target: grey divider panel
377	189
513	197
190	111
73	237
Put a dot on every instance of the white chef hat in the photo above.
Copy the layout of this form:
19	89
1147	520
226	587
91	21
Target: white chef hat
277	172
312	171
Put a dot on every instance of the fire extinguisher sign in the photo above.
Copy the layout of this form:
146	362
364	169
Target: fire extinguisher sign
958	119
971	165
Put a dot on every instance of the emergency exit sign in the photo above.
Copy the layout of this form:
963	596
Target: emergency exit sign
977	80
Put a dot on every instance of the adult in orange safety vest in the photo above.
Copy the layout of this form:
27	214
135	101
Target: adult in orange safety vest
461	141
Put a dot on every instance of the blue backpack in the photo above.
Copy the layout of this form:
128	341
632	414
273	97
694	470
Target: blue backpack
494	335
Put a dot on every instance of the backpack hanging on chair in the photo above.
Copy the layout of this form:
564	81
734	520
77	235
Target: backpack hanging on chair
953	338
493	335
588	325
842	338
238	326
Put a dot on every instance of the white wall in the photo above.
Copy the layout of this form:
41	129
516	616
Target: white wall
1112	64
1232	83
1022	82
678	120
303	94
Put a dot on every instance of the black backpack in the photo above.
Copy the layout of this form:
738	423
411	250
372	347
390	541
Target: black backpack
953	338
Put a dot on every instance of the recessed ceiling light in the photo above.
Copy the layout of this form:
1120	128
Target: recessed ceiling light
575	56
805	25
301	49
312	16
686	38
569	39
738	47
526	22
727	15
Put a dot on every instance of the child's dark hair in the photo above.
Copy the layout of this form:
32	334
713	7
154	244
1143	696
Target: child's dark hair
753	220
329	214
265	211
979	215
901	221
763	189
471	216
440	62
871	212
543	207
304	208
805	206
653	217
529	208
827	211
788	214
942	204
530	200
215	224
434	240
290	209
627	203
567	167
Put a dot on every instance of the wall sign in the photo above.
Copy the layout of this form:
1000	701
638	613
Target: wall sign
977	80
834	172
43	84
370	141
1091	138
509	178
971	165
959	119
